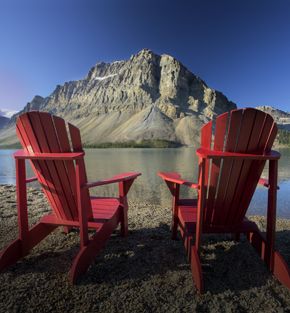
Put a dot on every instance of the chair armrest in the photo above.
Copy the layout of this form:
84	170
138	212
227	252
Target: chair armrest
31	179
21	154
264	182
211	154
115	179
176	179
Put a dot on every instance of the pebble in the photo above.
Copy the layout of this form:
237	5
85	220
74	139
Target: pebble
146	272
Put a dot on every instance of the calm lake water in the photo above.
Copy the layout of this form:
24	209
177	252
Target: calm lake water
104	163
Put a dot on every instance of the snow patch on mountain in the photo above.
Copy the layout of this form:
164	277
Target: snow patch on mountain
7	113
105	77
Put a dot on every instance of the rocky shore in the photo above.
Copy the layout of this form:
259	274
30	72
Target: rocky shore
146	272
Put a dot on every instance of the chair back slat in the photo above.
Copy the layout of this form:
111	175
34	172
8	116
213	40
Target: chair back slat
219	141
236	171
206	139
77	146
225	167
64	145
267	137
45	133
23	131
231	183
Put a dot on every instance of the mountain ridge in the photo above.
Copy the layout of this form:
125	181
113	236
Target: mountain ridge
282	118
3	121
148	97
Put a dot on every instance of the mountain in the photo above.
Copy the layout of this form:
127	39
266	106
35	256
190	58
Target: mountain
282	118
7	113
147	97
3	121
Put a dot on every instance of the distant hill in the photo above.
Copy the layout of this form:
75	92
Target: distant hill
282	118
148	97
3	121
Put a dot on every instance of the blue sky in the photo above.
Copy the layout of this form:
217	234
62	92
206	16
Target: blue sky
241	48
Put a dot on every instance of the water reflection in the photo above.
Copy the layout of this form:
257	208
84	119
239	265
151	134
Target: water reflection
104	163
7	167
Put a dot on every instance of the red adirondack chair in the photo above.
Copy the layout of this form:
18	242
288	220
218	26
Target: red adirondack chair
58	163
230	166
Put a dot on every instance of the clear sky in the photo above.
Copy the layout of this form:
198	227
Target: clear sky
240	47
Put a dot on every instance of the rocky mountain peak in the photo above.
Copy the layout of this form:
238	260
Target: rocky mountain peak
145	53
34	104
114	96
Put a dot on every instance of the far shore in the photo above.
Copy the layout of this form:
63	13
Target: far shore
160	144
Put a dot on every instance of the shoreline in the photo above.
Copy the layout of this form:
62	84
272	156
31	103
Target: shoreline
145	272
171	145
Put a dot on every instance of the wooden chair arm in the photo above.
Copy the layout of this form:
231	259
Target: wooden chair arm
212	154
21	154
31	179
175	178
115	179
264	182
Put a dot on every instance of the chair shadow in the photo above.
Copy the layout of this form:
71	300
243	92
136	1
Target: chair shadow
147	252
235	266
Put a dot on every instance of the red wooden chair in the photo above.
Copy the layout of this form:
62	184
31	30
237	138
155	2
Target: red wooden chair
230	166
61	172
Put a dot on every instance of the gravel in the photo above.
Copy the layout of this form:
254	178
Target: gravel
146	272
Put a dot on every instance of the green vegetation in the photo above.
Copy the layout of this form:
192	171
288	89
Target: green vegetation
129	144
283	137
12	146
133	144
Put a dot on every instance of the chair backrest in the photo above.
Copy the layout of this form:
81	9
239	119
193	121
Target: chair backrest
43	132
230	184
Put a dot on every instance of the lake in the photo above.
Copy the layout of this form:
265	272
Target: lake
104	163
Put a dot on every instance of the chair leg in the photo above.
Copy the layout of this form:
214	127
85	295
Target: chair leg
66	229
196	269
20	248
280	268
174	227
11	254
89	251
124	218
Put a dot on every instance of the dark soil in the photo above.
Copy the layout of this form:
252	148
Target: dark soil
146	272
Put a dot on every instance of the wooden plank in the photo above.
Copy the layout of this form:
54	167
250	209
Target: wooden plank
281	270
206	140
77	147
200	203
54	177
196	269
248	166
54	147
219	141
206	134
254	122
225	171
266	141
21	200
245	134
267	130
65	147
51	219
87	253
22	127
271	214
